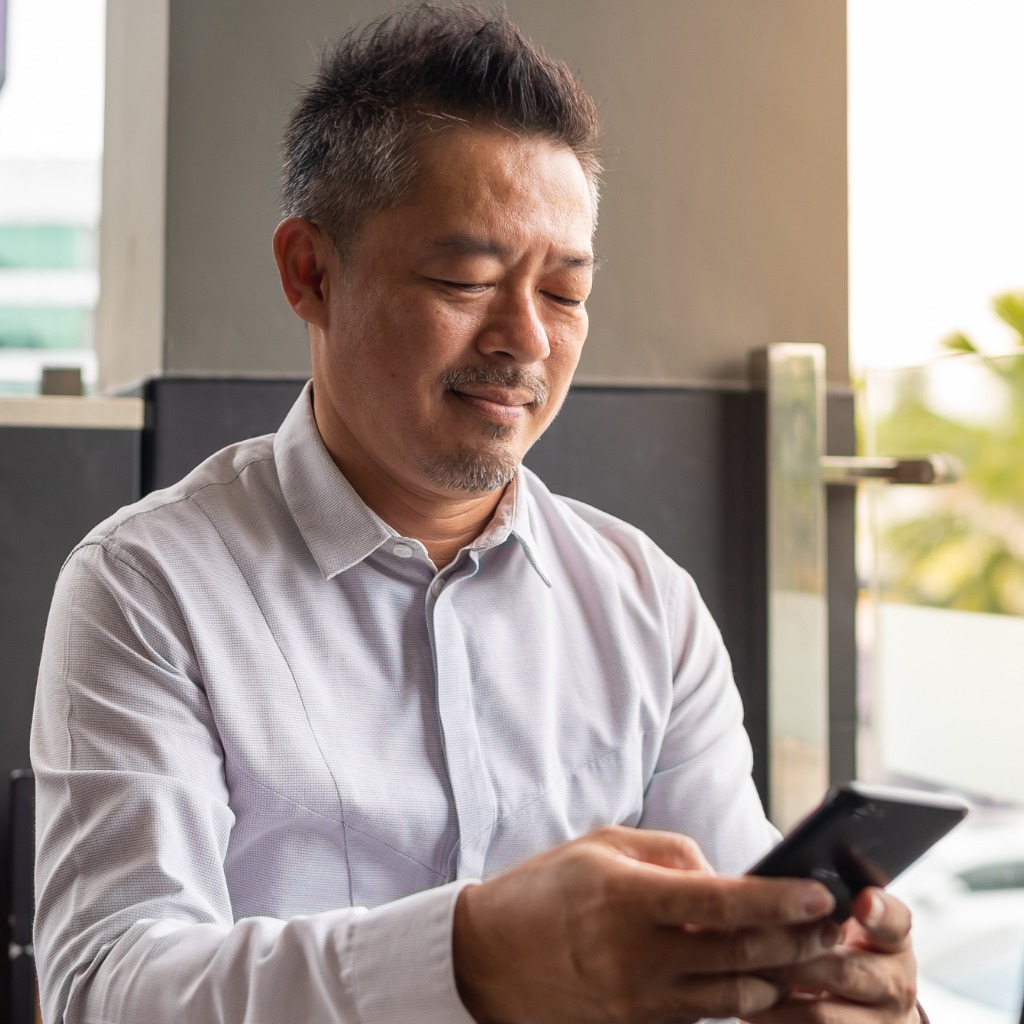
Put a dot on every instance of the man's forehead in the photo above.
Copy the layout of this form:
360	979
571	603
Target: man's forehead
455	152
469	244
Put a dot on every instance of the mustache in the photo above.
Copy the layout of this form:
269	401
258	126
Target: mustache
496	376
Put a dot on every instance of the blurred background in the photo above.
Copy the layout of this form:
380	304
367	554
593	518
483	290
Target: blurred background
937	354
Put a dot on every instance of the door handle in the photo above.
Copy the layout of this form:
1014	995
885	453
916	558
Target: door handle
850	470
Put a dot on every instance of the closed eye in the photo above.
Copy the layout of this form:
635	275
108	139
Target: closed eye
562	300
464	286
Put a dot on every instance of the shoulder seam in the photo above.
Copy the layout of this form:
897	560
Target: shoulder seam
190	496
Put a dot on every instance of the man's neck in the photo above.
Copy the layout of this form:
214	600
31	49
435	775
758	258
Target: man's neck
443	527
443	521
444	524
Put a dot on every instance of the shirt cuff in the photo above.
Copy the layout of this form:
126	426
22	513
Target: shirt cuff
400	958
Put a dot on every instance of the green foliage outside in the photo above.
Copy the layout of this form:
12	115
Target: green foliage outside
967	553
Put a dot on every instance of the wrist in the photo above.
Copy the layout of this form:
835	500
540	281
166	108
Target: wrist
469	958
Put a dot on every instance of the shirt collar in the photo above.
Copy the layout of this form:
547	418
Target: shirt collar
512	519
339	528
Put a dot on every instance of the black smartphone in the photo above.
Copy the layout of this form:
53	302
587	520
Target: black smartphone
859	836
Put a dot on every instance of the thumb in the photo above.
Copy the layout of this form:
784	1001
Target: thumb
883	920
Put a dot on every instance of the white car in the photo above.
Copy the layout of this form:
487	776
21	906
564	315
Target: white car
985	854
967	897
970	954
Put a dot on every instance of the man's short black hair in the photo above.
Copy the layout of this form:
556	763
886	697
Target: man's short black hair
349	147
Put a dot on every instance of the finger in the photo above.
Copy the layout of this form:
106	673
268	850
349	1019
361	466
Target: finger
884	919
801	1009
666	849
860	976
740	995
727	904
744	952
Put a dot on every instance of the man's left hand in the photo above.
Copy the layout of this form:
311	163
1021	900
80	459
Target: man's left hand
869	978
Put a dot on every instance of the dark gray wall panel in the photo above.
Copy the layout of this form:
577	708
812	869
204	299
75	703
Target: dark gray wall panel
842	597
686	465
55	485
188	419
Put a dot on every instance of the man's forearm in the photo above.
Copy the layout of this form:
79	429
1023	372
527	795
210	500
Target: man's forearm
390	963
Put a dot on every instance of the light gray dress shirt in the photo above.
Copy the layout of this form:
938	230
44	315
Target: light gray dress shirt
272	742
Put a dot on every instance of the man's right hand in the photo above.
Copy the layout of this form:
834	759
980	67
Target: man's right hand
630	925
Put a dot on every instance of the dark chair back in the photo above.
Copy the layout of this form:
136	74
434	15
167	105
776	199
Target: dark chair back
22	991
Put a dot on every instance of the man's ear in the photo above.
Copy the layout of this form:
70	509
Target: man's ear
302	252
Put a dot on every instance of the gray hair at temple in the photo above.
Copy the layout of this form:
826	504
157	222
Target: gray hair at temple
350	144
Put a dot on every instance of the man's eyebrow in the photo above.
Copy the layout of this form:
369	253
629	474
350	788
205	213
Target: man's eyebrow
594	261
472	245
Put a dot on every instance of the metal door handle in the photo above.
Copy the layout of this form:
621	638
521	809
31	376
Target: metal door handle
851	470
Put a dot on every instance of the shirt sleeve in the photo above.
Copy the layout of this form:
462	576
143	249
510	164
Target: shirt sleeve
703	772
134	918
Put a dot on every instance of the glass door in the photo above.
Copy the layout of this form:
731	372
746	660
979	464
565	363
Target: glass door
941	627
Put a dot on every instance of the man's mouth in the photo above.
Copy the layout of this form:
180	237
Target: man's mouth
500	407
502	394
498	396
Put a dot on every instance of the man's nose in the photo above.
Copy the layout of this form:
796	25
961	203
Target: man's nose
516	329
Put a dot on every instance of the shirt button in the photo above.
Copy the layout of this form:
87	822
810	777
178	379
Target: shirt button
438	585
402	550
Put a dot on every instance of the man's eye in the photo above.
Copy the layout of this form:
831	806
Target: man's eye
562	300
464	286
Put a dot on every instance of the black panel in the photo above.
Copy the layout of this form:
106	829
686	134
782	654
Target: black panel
687	467
189	419
842	597
22	897
55	485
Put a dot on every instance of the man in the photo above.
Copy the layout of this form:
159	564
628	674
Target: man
294	708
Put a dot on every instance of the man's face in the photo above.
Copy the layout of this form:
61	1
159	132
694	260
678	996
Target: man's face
456	323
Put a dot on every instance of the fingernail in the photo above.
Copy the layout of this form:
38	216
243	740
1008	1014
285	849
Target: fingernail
818	902
876	911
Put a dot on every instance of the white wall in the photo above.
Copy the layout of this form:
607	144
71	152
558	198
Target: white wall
949	688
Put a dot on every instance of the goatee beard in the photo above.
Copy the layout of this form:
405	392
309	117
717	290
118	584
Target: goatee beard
484	468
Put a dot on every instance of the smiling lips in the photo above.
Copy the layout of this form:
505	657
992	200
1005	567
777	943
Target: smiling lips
501	394
498	404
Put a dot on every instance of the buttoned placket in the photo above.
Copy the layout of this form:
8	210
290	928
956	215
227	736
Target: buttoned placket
475	805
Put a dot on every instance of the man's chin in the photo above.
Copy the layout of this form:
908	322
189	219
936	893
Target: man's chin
473	470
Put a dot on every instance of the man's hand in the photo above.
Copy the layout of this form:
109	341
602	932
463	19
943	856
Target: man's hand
870	978
628	925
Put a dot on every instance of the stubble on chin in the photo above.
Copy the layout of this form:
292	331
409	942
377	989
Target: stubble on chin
485	467
477	469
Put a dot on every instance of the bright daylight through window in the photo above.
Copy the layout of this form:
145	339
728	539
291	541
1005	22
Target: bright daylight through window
51	127
937	345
